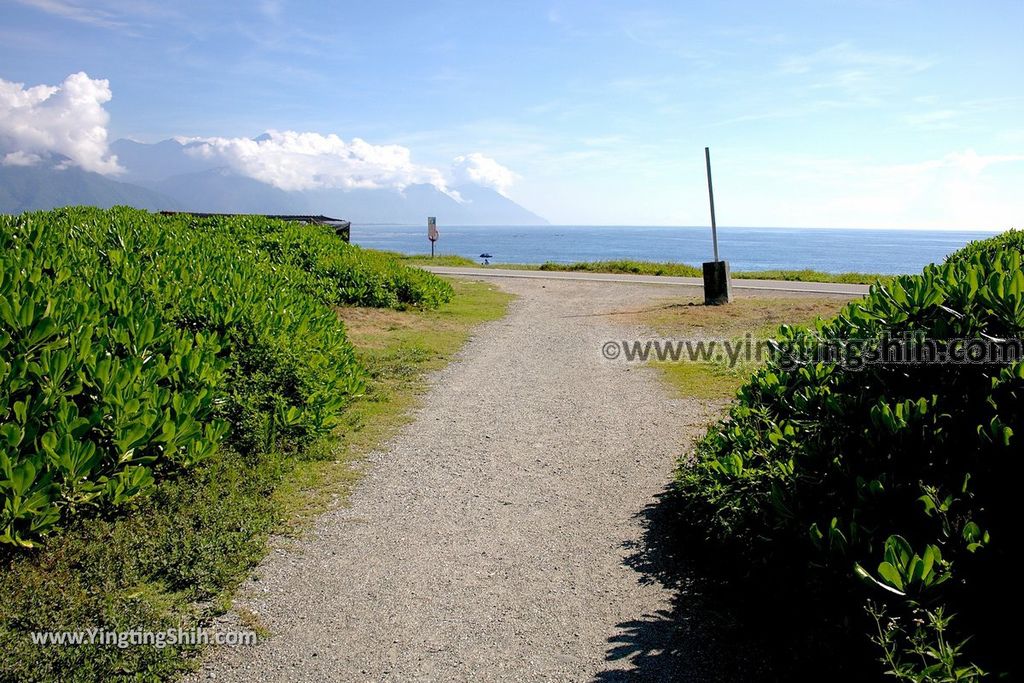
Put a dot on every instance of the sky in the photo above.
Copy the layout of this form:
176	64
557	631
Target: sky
821	113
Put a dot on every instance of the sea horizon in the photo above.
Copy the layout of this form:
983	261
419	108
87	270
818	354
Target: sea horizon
888	251
989	231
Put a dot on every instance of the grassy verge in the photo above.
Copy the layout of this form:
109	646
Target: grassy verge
754	318
807	275
453	260
626	267
172	559
686	270
631	267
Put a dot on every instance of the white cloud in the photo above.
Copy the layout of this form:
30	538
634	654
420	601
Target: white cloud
68	120
271	9
293	161
20	159
951	191
123	16
845	75
846	55
975	163
75	12
304	161
482	170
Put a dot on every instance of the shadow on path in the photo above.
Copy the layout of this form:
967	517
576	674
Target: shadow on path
694	640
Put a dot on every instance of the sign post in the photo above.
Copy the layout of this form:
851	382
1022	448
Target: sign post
717	288
432	233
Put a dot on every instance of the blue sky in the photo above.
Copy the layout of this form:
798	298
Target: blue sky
831	114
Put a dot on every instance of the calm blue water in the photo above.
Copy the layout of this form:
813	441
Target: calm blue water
828	250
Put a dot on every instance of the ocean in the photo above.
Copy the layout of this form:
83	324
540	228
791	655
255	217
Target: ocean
828	250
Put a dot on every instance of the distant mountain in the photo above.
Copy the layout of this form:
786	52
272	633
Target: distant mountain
377	206
165	176
480	206
484	206
219	190
160	160
30	188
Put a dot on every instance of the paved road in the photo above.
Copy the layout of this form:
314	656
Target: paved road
501	535
767	285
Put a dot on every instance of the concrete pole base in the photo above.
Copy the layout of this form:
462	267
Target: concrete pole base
717	289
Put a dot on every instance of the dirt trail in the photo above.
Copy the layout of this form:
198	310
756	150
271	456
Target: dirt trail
497	537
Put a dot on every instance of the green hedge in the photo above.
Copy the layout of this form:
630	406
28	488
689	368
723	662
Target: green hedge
336	273
96	389
1011	240
887	484
132	345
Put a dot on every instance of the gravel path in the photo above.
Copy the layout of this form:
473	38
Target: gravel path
495	538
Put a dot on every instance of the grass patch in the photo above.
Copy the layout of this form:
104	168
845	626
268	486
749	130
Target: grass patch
703	380
626	267
685	270
172	559
758	317
452	260
807	275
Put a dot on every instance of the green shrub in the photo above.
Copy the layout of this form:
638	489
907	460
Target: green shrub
131	343
163	564
97	392
901	475
335	272
1012	240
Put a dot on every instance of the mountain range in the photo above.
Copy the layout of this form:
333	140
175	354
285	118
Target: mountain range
163	176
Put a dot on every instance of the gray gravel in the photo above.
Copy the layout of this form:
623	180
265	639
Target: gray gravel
495	538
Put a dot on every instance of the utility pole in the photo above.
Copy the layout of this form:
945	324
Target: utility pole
711	198
717	288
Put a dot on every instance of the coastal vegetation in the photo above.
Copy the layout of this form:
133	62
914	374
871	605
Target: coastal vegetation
626	267
685	270
453	260
1011	240
808	275
871	497
174	389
